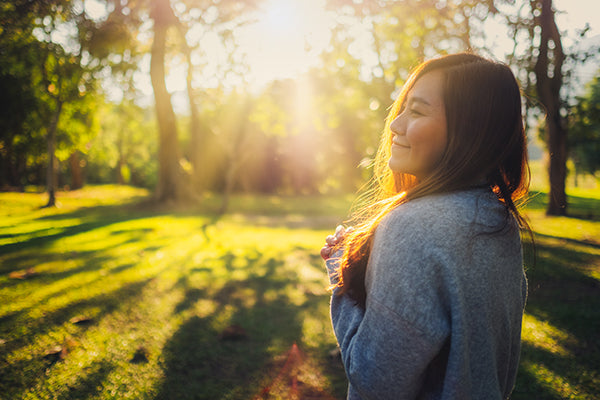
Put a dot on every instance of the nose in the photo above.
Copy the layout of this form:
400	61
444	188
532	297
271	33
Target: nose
397	126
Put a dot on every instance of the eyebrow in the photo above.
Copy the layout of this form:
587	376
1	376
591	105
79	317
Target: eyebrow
417	99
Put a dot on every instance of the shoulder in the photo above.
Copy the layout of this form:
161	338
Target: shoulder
456	210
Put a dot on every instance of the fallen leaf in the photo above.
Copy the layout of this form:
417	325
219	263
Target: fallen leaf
335	354
81	320
56	353
140	356
233	332
23	274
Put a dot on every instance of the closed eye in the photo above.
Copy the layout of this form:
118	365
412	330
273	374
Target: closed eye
411	111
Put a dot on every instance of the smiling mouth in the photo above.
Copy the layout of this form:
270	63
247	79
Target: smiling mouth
394	144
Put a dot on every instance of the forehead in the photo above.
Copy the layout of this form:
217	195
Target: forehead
428	89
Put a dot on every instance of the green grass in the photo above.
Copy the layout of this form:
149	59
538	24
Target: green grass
165	285
561	334
139	300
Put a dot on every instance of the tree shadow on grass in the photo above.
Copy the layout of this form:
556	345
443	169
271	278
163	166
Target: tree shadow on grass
17	376
21	329
590	243
577	207
91	261
530	384
203	362
101	305
92	218
564	296
89	383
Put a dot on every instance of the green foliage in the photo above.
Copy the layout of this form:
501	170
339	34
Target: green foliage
276	141
21	105
42	76
584	129
350	116
317	133
125	142
78	126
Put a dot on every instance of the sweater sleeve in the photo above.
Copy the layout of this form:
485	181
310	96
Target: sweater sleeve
387	346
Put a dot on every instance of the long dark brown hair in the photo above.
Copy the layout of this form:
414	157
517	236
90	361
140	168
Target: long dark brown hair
486	141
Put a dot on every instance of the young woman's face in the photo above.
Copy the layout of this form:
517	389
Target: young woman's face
420	131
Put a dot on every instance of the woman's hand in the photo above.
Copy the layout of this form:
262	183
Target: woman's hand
332	240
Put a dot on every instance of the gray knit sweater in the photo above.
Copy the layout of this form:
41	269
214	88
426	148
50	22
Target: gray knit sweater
445	298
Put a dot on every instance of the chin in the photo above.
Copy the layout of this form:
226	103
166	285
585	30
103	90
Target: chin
395	165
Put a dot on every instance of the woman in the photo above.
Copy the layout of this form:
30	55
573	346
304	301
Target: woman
429	287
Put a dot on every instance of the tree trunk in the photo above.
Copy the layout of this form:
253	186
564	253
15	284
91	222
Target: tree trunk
228	189
549	78
9	164
236	156
196	140
121	159
51	171
76	173
170	184
557	146
195	133
198	133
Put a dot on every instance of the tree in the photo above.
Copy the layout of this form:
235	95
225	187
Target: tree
549	81
171	184
123	150
194	22
78	126
55	69
539	55
65	83
173	181
20	104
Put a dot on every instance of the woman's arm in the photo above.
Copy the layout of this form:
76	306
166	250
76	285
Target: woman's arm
385	357
387	346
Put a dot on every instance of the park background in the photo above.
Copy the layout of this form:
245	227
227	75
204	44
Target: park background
170	169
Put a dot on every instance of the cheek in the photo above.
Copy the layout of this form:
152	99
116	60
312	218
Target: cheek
428	145
429	137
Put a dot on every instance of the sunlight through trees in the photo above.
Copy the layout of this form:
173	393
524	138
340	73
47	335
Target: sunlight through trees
249	96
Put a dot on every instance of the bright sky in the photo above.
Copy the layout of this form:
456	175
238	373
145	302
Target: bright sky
288	36
277	45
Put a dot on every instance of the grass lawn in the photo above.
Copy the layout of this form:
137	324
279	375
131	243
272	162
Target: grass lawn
106	297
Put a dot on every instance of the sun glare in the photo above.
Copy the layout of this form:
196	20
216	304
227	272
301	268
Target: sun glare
280	17
286	39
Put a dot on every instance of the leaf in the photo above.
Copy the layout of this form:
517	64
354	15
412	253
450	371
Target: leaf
23	274
56	354
140	356
81	320
233	332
